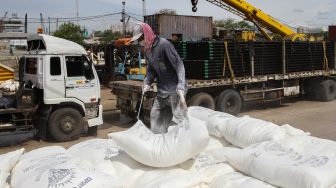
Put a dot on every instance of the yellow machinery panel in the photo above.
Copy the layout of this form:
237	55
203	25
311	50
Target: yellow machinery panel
6	73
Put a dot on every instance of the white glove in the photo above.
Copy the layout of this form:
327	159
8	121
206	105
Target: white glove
145	88
182	99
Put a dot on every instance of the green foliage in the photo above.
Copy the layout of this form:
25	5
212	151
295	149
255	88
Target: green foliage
167	11
71	32
231	24
107	36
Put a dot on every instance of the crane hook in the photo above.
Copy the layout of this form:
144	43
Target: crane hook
194	4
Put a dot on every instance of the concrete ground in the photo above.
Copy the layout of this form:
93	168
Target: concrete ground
315	117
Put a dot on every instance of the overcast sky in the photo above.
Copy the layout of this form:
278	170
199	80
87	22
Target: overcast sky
309	13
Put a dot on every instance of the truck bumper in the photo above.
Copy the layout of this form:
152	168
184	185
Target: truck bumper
98	120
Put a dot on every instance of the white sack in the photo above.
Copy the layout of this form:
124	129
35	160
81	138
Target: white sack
6	83
285	167
221	153
206	167
216	143
213	119
245	131
167	178
181	143
292	131
310	145
95	155
238	180
52	167
7	162
10	85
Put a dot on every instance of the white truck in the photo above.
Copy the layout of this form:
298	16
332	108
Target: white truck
59	93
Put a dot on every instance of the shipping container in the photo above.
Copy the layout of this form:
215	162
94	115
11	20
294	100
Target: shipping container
186	28
332	33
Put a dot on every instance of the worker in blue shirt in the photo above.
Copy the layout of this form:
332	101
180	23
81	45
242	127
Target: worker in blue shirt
166	67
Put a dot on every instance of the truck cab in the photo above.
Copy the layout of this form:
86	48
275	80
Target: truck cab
64	86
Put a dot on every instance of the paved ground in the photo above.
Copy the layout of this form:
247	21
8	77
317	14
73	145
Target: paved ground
315	117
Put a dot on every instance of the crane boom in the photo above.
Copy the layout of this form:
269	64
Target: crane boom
259	18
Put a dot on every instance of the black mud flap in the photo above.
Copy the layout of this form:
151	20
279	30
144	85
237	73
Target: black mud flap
15	137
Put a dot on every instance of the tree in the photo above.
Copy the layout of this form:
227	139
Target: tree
71	32
107	36
167	11
231	24
243	25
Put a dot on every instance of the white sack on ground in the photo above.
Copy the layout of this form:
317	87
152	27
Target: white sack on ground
215	143
181	143
52	167
221	153
285	167
245	131
206	167
105	156
238	180
292	131
7	162
167	178
213	119
310	145
95	155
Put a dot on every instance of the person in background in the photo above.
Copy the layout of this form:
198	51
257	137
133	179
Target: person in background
164	65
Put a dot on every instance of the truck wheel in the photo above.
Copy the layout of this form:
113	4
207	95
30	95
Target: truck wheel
202	99
229	101
65	124
328	90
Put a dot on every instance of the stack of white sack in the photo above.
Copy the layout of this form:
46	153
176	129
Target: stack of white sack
53	167
9	85
213	119
7	163
242	131
106	157
179	144
238	180
280	165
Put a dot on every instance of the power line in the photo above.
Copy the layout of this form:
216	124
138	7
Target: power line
68	19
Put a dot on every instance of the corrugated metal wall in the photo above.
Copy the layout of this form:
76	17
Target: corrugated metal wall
191	27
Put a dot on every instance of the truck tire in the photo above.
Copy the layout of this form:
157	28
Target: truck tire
65	124
202	99
229	101
327	90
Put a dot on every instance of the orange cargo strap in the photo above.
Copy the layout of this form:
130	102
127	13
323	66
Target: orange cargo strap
228	61
325	58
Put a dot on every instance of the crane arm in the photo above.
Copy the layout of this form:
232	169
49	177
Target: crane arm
249	12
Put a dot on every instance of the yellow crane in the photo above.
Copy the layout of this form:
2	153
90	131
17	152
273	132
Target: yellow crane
259	18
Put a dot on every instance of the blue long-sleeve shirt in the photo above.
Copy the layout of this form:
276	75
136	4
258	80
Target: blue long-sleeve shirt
165	65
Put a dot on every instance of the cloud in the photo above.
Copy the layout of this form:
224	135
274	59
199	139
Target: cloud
298	11
322	13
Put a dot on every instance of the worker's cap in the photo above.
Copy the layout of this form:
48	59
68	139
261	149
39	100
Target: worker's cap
137	32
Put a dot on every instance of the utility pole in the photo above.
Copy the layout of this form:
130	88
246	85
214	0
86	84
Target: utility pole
49	25
123	18
56	24
144	9
26	23
77	14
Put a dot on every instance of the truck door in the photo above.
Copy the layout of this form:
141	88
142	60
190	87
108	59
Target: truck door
54	88
80	82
